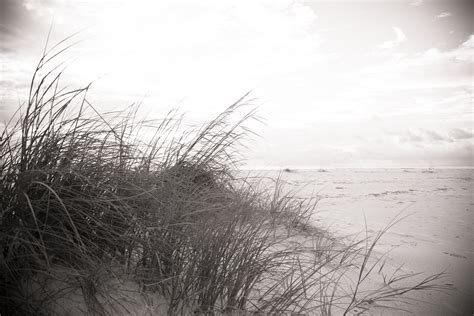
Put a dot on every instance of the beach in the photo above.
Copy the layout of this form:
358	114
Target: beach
434	233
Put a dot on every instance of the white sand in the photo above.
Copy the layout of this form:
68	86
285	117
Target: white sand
436	235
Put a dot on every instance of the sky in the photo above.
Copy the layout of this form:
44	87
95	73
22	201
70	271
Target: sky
338	83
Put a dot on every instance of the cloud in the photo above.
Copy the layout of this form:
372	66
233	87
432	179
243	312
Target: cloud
469	43
208	53
400	37
432	68
444	15
434	136
427	136
458	133
169	46
11	11
14	22
416	3
434	55
412	137
422	136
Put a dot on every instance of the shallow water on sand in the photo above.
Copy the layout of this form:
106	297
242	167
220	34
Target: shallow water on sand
435	235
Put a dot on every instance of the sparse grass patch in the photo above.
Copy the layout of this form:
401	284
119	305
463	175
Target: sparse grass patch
88	205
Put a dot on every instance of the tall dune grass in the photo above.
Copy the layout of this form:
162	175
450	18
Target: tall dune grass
90	201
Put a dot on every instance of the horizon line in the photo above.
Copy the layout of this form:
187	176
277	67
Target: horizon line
354	167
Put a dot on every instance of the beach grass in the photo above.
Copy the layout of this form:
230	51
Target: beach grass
111	213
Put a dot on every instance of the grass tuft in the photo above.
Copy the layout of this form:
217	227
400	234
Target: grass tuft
91	202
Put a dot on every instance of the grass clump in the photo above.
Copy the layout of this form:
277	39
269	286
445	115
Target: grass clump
112	214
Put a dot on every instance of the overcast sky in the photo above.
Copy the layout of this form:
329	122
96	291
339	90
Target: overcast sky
340	84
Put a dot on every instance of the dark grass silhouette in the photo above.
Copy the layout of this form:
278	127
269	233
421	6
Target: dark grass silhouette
90	201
